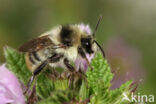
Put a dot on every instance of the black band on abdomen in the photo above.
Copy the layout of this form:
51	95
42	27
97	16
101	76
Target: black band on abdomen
31	58
36	56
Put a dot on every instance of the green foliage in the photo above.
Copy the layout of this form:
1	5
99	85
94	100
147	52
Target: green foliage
99	83
61	84
83	92
44	86
58	97
16	63
96	88
99	79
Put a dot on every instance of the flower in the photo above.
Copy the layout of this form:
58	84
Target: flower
81	63
124	61
10	88
85	28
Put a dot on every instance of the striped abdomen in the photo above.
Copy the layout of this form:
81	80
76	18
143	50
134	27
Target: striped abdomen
33	60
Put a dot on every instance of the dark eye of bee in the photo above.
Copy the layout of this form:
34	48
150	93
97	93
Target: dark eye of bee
86	44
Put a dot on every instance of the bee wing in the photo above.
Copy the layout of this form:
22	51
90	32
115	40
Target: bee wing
36	44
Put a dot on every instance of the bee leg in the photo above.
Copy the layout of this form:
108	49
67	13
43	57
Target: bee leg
51	59
32	99
68	65
71	80
73	72
36	72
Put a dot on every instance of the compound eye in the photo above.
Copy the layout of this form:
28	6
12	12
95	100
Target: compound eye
87	43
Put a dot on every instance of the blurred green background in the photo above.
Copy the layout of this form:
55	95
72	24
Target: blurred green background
133	20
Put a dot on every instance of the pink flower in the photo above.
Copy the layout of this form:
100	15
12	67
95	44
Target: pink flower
81	64
85	28
10	88
124	61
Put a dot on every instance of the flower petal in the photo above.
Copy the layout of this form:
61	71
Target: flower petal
10	87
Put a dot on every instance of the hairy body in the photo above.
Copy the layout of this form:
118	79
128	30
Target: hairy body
69	35
61	46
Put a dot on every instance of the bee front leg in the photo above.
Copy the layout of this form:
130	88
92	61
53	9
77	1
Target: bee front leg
73	72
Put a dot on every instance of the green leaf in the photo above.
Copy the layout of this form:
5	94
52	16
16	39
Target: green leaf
83	92
100	77
44	86
61	84
58	97
15	61
99	83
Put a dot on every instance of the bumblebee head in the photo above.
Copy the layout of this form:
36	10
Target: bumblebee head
88	41
86	44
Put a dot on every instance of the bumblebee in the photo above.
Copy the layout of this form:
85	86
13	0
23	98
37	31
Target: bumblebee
60	47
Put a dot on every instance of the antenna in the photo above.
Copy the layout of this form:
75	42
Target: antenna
101	49
97	25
